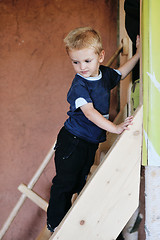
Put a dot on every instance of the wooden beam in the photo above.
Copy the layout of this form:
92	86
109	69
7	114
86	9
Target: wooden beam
33	196
111	196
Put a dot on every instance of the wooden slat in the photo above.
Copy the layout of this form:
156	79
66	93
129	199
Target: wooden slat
33	196
111	196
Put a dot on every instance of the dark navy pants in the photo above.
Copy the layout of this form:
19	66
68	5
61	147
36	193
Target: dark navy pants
73	160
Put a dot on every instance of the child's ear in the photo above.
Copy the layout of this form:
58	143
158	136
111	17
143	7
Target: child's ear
101	56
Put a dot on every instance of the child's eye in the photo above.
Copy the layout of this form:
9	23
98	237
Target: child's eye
75	62
87	61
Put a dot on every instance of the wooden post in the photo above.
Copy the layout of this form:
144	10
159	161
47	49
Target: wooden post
124	85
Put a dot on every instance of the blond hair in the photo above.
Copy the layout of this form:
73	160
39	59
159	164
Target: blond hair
83	37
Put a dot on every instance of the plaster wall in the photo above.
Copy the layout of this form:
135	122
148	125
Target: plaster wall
35	75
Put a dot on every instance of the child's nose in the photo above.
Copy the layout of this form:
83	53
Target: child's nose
82	66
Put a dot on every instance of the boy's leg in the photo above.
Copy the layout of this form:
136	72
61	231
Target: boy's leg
60	200
90	156
70	157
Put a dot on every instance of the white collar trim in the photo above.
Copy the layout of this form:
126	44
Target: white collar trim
92	78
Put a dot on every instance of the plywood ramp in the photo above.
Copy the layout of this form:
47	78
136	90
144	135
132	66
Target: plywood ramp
112	194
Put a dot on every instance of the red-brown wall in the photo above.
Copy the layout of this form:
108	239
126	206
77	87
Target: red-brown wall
35	75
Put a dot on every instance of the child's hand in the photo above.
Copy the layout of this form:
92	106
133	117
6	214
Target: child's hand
138	45
124	125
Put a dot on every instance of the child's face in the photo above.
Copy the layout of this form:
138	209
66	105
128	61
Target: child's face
86	62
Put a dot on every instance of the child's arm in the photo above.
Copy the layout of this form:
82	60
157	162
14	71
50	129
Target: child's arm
94	116
129	65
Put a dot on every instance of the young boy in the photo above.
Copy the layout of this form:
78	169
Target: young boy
89	98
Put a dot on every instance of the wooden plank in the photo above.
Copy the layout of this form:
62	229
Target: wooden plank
33	196
111	196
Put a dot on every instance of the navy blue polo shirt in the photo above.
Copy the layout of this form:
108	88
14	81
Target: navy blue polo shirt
94	90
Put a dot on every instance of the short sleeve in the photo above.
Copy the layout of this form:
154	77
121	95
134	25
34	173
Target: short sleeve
111	76
78	95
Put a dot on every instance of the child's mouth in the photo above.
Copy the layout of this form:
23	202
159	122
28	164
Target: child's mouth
84	72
